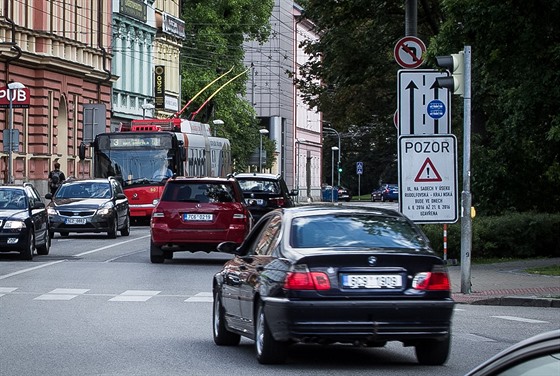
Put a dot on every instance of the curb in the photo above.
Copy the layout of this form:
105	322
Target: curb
512	301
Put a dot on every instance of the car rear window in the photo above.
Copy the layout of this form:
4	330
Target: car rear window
368	231
259	185
197	192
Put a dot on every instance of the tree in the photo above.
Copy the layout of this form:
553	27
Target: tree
516	91
515	84
351	78
215	32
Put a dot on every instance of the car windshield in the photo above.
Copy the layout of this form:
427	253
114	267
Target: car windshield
259	185
197	192
12	199
353	230
84	190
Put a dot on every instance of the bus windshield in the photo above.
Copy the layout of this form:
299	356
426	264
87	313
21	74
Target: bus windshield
133	159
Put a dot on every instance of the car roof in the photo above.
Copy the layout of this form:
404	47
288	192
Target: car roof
255	175
96	180
533	345
199	179
300	211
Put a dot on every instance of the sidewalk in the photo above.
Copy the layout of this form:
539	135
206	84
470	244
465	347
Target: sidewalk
507	283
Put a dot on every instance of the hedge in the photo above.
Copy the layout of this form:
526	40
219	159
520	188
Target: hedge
515	235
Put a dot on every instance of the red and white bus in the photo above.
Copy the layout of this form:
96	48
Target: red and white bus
143	155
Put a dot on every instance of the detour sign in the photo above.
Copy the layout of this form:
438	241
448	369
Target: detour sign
20	97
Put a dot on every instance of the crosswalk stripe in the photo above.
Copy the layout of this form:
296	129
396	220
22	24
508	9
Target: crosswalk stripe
134	296
201	297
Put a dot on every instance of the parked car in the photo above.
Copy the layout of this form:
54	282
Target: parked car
538	355
323	274
265	192
376	194
196	214
24	223
89	205
344	194
390	192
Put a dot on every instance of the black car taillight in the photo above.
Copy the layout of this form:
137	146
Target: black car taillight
277	201
436	280
303	279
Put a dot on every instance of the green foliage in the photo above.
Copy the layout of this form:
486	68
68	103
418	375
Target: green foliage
513	235
215	32
515	90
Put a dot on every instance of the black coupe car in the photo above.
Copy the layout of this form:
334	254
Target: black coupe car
316	274
24	223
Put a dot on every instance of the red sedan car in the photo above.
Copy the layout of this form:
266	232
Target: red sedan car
197	214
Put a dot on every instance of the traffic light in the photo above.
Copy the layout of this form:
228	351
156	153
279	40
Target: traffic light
454	63
339	168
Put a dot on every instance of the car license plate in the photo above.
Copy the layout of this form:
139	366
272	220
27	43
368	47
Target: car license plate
372	281
250	201
75	221
197	217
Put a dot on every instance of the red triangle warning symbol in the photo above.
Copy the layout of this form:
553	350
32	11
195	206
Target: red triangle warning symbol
427	173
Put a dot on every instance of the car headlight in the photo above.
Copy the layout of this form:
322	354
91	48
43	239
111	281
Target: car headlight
105	209
14	225
52	211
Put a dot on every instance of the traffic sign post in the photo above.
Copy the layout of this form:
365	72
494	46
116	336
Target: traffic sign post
423	107
428	178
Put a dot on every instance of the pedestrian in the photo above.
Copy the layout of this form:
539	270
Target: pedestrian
56	177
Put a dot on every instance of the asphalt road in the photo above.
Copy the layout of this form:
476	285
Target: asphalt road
96	306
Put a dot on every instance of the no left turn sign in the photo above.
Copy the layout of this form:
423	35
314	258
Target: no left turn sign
409	52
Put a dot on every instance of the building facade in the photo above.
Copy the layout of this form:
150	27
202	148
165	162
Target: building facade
60	53
294	127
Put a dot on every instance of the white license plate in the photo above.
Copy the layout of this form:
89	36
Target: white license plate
75	221
258	201
198	217
372	281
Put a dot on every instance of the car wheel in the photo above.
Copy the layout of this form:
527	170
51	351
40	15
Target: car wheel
112	233
51	234
156	254
168	255
269	351
27	252
433	352
222	337
44	249
125	231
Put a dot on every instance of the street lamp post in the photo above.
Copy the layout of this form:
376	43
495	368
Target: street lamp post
216	123
334	148
339	148
146	106
11	86
298	143
261	132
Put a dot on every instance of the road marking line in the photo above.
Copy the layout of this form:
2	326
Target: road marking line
7	289
110	246
62	294
513	318
134	296
30	269
201	297
477	338
68	291
78	255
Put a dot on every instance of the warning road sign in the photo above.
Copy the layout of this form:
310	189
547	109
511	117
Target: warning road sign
427	173
428	178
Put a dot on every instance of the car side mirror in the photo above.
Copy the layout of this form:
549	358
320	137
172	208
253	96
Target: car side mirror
294	192
39	205
121	196
48	196
228	247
